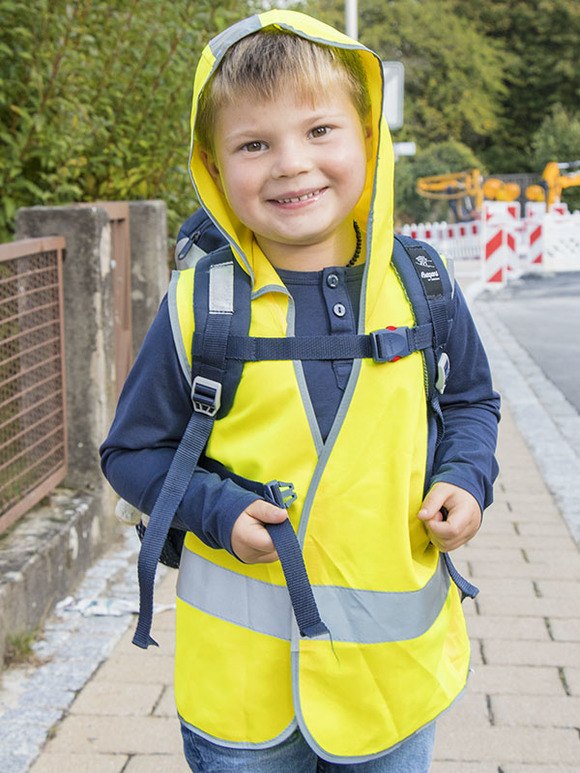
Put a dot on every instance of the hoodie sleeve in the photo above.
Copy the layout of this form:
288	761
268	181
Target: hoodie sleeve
152	414
465	456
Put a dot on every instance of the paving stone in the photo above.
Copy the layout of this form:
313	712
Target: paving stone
514	767
501	745
49	695
512	606
476	658
565	630
494	568
113	699
532	528
499	540
550	542
536	711
522	629
474	554
157	764
137	667
165	591
499	586
24	740
470	708
572	678
516	680
87	763
165	638
557	588
548	556
165	621
12	762
116	735
33	715
532	654
497	525
166	705
446	766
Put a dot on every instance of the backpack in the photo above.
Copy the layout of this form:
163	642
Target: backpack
221	345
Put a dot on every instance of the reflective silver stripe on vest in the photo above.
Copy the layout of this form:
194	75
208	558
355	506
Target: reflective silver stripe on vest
221	288
242	600
363	616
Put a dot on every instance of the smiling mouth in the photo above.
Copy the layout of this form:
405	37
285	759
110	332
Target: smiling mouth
297	199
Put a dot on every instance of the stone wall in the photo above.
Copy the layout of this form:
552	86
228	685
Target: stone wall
46	553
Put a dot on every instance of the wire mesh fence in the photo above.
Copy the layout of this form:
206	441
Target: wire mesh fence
33	451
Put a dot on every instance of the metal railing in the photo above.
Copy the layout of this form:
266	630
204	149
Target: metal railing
33	448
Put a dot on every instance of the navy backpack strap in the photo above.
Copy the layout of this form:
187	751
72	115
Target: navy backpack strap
209	285
383	345
216	277
206	399
429	288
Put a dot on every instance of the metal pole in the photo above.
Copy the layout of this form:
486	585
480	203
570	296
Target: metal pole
351	18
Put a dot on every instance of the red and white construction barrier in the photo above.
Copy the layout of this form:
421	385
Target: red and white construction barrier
534	237
459	241
561	208
507	244
500	241
561	234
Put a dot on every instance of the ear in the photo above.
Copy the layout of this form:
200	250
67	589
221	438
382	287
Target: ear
211	166
368	135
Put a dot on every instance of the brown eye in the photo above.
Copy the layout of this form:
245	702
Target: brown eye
253	147
320	131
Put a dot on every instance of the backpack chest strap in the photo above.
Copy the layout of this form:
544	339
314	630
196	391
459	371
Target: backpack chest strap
385	345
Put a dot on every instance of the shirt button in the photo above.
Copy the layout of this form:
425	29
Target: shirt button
332	280
339	309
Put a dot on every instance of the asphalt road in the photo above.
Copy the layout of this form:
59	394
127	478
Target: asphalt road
543	315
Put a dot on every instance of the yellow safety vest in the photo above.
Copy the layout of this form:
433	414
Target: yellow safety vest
399	653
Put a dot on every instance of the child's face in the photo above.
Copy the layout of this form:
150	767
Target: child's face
293	172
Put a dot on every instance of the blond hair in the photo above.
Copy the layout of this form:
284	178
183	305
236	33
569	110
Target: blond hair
259	65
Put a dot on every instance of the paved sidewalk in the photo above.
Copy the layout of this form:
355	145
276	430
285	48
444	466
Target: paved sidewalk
520	714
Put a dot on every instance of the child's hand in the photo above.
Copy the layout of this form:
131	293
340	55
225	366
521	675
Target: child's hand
463	516
250	541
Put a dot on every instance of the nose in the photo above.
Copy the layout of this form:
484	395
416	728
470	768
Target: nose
291	159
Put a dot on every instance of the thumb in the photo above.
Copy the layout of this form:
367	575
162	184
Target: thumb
265	512
433	504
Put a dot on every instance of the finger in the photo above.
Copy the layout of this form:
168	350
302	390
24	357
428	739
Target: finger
433	505
265	512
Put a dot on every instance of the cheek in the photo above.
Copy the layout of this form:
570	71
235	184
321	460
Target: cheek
239	185
353	166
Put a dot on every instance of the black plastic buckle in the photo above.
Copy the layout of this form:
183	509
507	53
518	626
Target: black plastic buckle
389	344
206	395
282	494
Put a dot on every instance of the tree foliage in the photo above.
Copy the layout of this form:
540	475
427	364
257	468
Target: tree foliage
558	139
95	95
95	99
453	73
543	37
485	73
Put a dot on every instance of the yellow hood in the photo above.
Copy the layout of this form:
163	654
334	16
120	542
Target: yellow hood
374	210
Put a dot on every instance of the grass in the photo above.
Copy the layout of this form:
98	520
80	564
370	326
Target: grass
19	649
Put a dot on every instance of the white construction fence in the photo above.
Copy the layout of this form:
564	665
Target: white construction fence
508	244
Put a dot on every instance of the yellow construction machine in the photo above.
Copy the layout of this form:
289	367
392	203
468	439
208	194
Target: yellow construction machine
555	178
466	191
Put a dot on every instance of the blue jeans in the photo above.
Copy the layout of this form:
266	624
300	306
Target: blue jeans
295	756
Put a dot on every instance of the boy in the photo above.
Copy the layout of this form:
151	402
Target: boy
292	158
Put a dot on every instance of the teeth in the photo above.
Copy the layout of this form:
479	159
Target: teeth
299	198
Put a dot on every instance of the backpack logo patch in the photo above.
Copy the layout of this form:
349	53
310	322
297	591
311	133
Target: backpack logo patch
428	274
